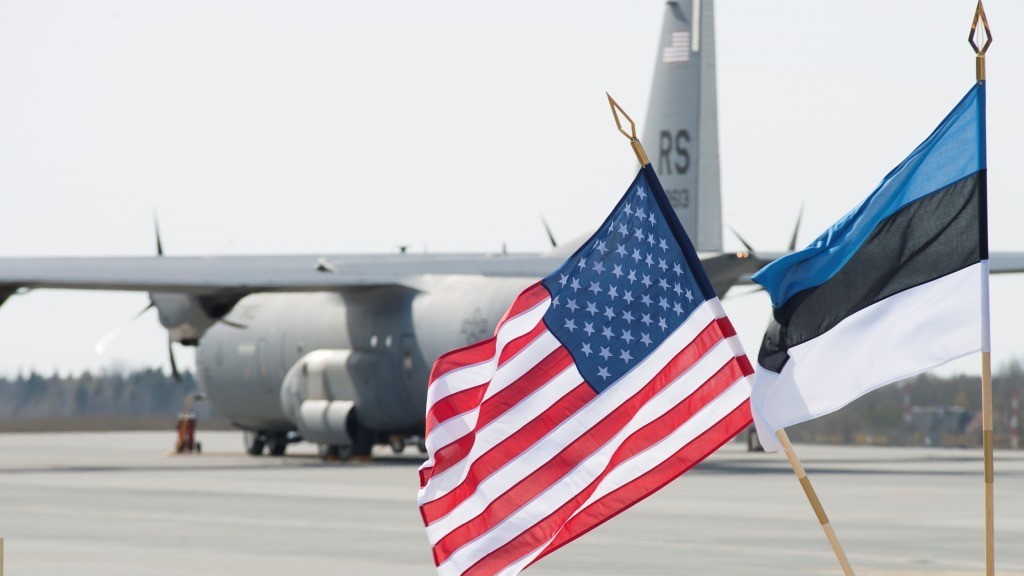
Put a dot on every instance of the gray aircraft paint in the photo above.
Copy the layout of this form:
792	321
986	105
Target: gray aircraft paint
367	328
387	317
681	134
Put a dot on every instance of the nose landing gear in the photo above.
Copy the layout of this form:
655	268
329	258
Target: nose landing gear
274	443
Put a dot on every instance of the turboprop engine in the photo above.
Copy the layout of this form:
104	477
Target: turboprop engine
331	397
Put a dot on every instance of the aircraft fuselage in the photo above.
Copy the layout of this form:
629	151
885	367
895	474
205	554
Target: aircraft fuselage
389	336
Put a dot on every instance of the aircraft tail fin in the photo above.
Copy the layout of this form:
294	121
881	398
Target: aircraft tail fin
681	135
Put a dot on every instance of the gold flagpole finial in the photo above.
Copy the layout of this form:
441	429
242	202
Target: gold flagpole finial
633	141
980	39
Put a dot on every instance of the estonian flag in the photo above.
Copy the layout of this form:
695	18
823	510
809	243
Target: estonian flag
896	287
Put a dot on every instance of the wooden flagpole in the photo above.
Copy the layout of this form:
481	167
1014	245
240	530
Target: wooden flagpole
986	425
812	497
980	39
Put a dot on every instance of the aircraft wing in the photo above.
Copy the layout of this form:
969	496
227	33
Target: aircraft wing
291	273
999	263
1006	262
313	273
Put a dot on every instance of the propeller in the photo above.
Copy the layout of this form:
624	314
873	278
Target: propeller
734	295
551	236
103	343
159	244
796	229
170	355
742	241
750	249
170	341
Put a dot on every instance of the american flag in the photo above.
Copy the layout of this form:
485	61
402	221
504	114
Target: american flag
603	382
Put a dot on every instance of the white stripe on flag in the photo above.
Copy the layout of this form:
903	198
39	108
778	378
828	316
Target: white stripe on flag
905	334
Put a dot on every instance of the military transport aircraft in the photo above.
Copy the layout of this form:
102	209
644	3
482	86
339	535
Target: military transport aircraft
336	350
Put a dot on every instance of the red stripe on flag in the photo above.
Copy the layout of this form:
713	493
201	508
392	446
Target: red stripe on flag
745	365
495	458
535	536
473	354
591	440
623	498
516	345
454	404
540	374
526	300
727	329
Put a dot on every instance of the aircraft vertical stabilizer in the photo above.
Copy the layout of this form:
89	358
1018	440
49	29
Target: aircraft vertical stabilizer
681	135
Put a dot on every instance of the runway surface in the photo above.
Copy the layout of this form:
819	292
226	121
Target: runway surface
115	504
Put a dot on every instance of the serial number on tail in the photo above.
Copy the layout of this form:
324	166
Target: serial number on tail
678	197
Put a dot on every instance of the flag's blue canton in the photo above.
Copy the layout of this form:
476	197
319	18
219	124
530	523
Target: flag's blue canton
623	292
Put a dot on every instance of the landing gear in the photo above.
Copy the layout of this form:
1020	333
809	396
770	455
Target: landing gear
277	444
397	443
753	442
254	442
330	452
363	440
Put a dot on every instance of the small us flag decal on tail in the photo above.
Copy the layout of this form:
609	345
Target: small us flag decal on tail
678	49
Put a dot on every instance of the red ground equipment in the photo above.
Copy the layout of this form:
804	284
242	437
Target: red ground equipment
187	428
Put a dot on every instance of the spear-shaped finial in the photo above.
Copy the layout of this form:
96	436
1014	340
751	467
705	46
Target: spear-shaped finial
980	39
633	141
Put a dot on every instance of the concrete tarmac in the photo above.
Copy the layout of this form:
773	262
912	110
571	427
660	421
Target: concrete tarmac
116	504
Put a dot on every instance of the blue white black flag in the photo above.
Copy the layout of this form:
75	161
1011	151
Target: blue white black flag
896	287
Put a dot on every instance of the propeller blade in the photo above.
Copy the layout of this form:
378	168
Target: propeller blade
731	295
110	337
551	236
159	244
742	241
174	365
796	229
233	324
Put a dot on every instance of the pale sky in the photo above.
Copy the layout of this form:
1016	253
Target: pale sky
331	127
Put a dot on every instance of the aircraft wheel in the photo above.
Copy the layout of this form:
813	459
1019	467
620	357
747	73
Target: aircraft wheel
277	444
397	444
329	452
254	442
753	443
362	438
